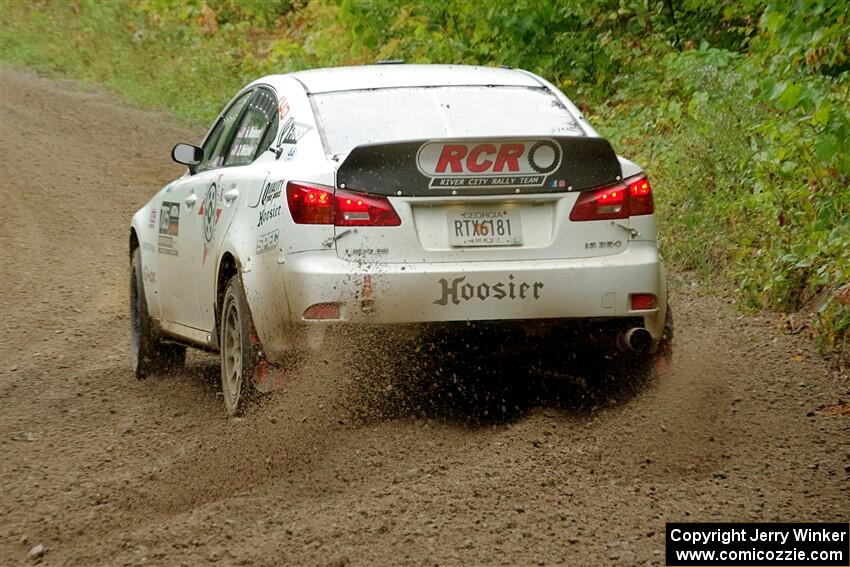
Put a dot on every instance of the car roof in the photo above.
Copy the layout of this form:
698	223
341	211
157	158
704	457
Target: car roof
336	79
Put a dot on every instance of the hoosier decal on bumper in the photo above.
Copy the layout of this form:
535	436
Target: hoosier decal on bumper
459	290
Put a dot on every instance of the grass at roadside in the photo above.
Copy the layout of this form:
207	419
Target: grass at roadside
101	44
741	113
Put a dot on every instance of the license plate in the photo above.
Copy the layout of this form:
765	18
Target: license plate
485	227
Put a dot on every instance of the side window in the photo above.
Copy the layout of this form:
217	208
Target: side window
256	130
217	141
209	145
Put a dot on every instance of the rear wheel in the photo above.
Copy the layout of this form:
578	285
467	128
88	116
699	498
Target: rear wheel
150	355
238	358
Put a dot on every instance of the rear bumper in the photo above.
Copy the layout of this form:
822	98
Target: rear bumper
370	293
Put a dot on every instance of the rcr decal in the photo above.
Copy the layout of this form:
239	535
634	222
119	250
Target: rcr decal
488	164
456	291
169	218
480	166
267	241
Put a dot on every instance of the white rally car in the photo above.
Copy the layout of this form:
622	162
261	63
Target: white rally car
391	194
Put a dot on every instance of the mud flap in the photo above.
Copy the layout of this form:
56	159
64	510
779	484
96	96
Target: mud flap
267	377
664	354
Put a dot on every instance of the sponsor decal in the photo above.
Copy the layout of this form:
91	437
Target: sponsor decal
167	245
152	222
367	251
250	132
480	166
243	150
271	192
268	214
570	127
460	290
488	164
169	218
148	246
210	211
292	131
149	275
248	138
603	244
269	202
267	241
290	155
282	107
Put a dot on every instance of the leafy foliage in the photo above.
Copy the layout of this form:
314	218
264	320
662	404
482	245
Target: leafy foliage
739	110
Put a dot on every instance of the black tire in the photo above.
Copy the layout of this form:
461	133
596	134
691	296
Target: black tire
150	355
239	359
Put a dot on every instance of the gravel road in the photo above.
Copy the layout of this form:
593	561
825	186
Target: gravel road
358	459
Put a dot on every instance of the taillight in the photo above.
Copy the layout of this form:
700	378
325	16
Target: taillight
640	197
317	204
357	209
631	198
310	204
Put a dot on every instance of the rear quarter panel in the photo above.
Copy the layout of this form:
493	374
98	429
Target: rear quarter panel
260	239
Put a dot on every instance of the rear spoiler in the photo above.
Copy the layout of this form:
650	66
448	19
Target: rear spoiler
480	166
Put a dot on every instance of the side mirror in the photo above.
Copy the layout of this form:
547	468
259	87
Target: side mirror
187	154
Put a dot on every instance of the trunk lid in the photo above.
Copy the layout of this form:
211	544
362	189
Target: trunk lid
482	199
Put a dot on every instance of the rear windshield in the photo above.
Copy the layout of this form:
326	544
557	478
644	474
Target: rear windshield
352	118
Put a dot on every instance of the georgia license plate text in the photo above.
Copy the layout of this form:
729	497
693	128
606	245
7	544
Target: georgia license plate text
497	227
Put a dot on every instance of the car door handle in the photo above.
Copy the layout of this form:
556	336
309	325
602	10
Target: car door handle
191	200
230	195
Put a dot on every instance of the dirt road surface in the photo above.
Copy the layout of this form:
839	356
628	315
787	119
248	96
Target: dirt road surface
348	463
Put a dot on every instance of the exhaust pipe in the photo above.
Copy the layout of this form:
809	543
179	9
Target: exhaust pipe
636	339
